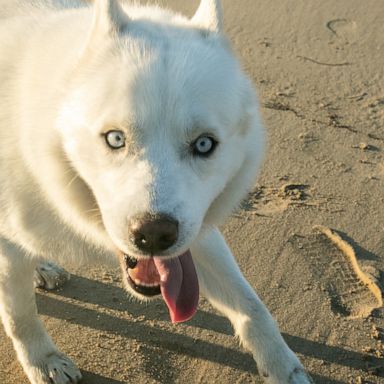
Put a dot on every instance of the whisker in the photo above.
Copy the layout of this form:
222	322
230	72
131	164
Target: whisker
72	180
92	210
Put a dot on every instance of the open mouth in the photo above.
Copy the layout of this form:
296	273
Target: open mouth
175	279
143	276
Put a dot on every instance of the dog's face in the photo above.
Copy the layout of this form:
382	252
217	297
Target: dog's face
159	124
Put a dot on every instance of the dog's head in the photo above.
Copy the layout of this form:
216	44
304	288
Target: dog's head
161	124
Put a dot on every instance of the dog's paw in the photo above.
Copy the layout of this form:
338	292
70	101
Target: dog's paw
299	376
284	368
56	368
50	276
296	376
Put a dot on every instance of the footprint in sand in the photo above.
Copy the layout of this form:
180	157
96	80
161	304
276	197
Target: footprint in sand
268	201
333	263
342	28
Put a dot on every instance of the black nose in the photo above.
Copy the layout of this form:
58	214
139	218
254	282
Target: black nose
154	233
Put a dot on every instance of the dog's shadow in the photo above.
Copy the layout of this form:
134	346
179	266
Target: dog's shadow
110	297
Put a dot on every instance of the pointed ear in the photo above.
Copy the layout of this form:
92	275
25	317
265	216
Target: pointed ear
109	17
209	16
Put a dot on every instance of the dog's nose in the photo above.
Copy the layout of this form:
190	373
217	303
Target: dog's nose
154	233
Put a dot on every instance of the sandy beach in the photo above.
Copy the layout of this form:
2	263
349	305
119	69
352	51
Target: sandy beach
310	237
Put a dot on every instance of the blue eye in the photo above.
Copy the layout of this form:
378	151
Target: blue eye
115	139
204	146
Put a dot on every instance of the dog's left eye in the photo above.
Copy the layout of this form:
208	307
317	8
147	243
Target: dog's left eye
115	139
204	146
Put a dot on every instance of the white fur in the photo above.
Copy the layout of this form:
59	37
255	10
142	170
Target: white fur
70	73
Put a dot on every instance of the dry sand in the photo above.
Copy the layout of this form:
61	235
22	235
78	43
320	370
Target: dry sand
318	67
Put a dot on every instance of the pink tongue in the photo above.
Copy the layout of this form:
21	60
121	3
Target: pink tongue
179	286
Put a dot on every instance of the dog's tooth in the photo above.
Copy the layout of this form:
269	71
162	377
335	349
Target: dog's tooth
143	283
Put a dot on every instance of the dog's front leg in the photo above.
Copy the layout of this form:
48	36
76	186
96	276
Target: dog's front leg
225	287
43	363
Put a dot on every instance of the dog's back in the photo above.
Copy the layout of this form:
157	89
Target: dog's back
30	65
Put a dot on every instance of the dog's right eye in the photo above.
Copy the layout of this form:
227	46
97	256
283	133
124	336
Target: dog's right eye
204	146
115	139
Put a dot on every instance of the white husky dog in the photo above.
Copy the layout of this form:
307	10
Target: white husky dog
126	130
